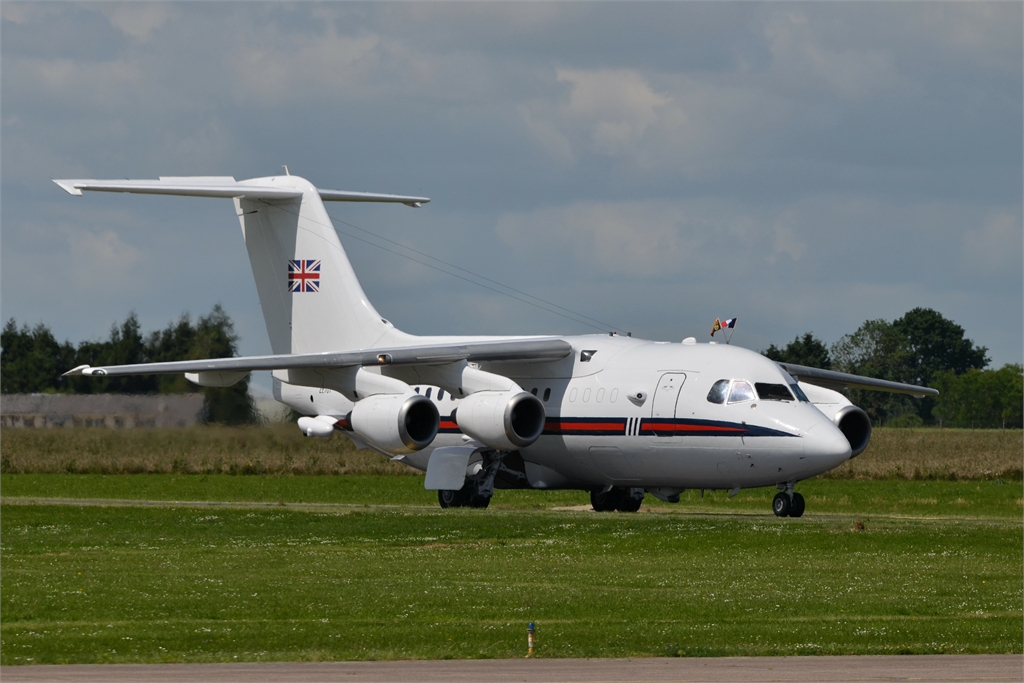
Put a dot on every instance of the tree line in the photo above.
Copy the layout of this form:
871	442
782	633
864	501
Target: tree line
926	349
33	361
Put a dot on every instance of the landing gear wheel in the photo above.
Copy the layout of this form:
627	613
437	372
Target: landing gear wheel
466	497
630	500
603	501
450	498
479	502
797	506
781	505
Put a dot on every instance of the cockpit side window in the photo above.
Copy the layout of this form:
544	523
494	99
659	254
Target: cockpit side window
719	390
799	393
773	392
741	391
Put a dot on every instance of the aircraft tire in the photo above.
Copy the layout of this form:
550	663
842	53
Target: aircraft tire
797	508
781	505
479	502
604	501
627	502
449	498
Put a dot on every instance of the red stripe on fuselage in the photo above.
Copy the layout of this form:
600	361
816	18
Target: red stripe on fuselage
578	426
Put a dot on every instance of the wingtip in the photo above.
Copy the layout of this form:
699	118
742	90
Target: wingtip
74	372
68	186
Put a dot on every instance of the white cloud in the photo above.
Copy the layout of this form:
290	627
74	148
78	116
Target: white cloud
100	260
139	19
618	106
805	62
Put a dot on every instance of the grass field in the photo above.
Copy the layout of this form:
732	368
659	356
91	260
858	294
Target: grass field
874	567
281	449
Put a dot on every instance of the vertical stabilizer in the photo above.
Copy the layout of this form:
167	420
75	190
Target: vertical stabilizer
311	299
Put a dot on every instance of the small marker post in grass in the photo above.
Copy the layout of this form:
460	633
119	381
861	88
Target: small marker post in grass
530	632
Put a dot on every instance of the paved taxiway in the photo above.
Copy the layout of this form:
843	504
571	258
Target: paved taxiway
918	668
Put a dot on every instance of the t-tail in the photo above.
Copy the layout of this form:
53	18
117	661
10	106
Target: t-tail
312	301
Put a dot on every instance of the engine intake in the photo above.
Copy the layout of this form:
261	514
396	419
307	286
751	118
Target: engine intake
503	420
395	423
855	425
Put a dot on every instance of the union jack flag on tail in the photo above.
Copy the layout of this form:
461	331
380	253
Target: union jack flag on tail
303	275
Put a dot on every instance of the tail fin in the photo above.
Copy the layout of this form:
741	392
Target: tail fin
311	298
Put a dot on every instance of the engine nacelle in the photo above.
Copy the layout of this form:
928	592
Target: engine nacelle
853	422
855	425
503	420
395	423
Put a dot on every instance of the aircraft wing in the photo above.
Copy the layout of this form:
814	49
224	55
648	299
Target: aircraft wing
841	380
530	349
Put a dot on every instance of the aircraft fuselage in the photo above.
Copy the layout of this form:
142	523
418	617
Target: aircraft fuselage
628	412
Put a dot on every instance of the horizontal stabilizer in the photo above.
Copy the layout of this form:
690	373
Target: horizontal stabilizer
527	349
227	187
204	186
841	380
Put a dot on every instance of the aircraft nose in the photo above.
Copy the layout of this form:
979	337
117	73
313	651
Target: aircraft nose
824	442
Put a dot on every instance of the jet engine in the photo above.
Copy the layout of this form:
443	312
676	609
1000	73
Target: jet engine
395	423
504	420
853	422
855	425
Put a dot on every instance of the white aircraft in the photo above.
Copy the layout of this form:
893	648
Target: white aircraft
611	414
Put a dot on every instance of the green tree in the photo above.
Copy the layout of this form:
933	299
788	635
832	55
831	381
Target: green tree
934	344
912	349
215	338
875	350
807	350
32	361
991	399
125	347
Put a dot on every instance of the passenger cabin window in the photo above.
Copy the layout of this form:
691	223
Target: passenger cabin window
534	391
719	390
801	396
773	392
741	391
547	394
429	389
440	394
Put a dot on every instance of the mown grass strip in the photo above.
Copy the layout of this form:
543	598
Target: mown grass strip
972	499
94	584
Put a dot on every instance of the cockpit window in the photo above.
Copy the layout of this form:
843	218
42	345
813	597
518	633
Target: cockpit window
741	391
773	392
799	393
719	390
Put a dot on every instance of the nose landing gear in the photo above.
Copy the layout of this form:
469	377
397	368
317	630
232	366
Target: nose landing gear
788	503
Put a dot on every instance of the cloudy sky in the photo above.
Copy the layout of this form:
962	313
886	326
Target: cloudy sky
803	167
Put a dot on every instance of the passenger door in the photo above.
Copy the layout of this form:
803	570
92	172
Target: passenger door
667	395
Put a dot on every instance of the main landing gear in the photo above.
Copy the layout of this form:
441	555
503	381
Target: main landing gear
616	498
479	487
788	503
